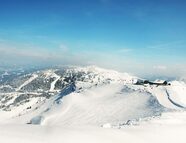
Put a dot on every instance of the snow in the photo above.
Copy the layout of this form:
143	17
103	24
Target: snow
178	89
161	95
171	97
97	106
169	128
113	112
5	86
52	87
107	125
34	76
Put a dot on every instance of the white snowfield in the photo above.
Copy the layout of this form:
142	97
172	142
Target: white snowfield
113	112
100	105
169	128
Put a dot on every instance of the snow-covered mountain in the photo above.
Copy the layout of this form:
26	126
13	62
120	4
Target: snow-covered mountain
76	104
46	83
85	96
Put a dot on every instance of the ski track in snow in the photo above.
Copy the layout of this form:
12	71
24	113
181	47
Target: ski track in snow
173	102
52	87
162	97
34	76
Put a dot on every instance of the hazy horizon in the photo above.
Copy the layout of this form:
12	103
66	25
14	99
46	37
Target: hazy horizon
146	37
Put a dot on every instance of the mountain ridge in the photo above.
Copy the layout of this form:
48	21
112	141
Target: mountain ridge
36	97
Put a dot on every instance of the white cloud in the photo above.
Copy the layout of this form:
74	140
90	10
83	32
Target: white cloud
125	50
63	48
11	51
167	46
15	54
160	67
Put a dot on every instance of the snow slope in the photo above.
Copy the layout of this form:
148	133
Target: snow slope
111	103
90	104
169	128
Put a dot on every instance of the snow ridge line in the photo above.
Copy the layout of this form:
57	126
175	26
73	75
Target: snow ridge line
176	104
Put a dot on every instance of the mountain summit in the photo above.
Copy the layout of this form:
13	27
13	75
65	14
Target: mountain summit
84	96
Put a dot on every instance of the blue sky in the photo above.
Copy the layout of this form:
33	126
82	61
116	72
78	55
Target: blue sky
138	36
